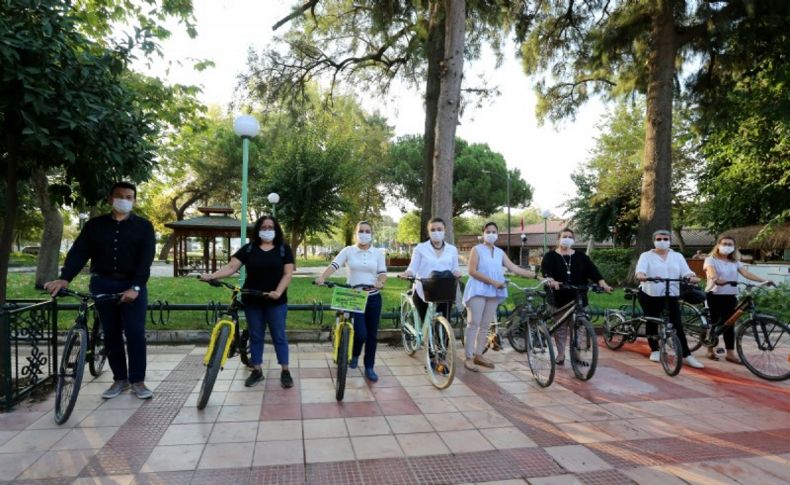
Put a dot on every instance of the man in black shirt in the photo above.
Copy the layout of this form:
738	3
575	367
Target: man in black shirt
121	248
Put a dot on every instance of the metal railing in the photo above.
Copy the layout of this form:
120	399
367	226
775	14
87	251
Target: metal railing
28	348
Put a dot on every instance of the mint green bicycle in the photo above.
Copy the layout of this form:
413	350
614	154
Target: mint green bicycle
434	331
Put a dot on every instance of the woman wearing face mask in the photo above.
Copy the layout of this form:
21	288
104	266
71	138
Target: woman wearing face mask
485	289
435	254
723	264
662	262
366	266
564	265
270	266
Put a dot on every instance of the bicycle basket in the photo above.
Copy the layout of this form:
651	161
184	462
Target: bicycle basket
439	287
691	293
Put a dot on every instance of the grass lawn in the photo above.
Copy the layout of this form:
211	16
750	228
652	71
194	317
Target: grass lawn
22	259
190	290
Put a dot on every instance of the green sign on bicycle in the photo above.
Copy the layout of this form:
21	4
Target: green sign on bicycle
349	300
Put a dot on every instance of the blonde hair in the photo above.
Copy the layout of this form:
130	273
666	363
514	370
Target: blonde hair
365	223
733	256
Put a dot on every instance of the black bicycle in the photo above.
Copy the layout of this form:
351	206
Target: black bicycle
621	327
82	344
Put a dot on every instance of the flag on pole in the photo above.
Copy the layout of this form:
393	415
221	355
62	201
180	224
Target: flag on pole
522	224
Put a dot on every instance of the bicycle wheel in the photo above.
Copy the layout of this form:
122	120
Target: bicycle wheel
613	335
408	337
584	349
670	354
517	335
440	353
342	361
69	378
243	345
764	347
213	366
540	352
694	324
97	353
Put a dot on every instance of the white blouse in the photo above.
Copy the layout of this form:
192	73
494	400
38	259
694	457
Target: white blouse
424	261
725	270
364	265
673	267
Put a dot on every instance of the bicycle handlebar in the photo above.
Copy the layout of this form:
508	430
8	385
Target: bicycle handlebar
537	287
85	296
670	280
220	284
332	284
594	288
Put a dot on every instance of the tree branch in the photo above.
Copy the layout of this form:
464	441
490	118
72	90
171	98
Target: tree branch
309	5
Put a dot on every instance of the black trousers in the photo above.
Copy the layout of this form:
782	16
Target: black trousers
721	308
653	306
422	307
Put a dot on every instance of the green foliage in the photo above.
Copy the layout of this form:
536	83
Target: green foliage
409	229
775	301
613	264
479	178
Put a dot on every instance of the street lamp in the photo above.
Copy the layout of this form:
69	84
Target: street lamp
273	199
545	214
246	126
507	201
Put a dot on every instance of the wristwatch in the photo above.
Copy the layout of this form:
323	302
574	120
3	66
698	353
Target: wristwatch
136	288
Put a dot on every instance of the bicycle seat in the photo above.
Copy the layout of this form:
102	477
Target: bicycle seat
630	293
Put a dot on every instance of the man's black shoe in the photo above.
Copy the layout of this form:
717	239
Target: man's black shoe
286	380
254	378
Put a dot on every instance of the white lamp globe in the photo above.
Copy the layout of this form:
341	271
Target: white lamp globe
545	214
273	198
246	126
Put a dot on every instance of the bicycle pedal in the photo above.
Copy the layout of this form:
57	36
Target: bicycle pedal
719	350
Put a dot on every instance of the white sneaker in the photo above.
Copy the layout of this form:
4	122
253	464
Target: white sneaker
693	362
655	356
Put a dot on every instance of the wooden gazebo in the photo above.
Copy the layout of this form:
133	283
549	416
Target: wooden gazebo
215	222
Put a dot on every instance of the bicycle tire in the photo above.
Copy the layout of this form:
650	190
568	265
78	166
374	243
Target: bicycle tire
440	353
584	350
517	335
97	352
612	331
778	350
539	346
213	367
407	338
70	370
670	354
694	325
342	362
243	345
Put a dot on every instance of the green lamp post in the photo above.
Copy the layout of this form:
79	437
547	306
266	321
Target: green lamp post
246	126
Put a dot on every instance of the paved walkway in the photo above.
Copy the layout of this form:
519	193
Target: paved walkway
630	423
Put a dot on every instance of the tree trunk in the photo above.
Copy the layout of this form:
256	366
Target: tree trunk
447	114
435	54
167	246
677	236
49	250
11	207
656	204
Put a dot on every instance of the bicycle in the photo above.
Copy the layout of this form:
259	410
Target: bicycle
583	342
221	345
434	331
342	333
760	338
620	327
81	346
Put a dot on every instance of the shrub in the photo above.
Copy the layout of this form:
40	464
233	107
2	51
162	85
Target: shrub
775	301
613	264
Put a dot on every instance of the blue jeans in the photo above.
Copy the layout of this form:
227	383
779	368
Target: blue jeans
366	328
119	320
257	319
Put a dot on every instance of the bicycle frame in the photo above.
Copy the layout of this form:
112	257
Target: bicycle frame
342	319
430	313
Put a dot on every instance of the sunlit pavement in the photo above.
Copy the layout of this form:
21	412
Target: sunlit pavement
630	423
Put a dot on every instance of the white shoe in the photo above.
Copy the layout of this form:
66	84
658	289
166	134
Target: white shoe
693	362
655	356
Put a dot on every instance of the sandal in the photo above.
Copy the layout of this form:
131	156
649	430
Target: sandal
734	360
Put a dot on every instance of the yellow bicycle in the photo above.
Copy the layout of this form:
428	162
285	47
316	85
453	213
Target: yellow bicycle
346	299
226	340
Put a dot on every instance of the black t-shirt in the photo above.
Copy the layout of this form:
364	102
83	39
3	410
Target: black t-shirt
581	267
265	269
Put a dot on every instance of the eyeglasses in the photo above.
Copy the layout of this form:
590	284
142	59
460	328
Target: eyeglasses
662	239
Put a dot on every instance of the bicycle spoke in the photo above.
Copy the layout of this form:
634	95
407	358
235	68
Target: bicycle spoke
764	346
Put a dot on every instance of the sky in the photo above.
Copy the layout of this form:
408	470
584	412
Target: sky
546	155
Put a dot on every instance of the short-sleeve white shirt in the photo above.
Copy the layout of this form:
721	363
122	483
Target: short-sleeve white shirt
424	261
364	265
673	267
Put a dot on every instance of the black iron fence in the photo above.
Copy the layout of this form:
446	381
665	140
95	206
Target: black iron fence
28	348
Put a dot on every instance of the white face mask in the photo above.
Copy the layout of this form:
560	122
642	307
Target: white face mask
726	250
566	242
437	236
123	206
490	237
267	236
364	237
661	244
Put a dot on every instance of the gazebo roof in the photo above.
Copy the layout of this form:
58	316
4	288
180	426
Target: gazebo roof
777	237
209	223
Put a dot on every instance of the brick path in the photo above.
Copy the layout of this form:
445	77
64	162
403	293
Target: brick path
629	424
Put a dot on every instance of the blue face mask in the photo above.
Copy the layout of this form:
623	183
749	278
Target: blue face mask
267	236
